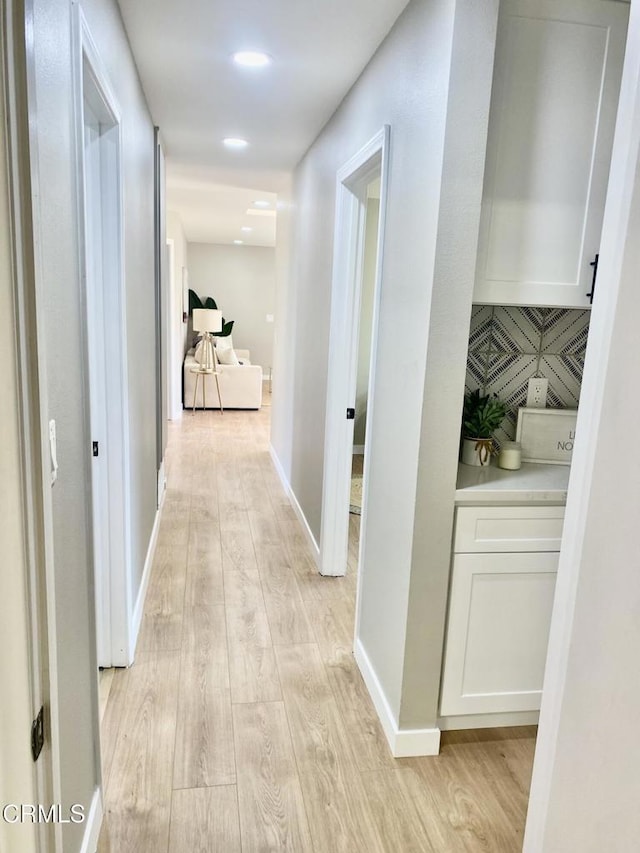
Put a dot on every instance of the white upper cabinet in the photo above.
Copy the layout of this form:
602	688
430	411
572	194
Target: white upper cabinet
555	93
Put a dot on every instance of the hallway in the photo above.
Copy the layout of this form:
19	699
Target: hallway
244	723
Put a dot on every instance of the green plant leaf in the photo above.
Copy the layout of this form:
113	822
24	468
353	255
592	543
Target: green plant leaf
482	415
209	302
194	301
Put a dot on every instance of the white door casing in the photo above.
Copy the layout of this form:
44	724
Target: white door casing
555	92
99	152
351	198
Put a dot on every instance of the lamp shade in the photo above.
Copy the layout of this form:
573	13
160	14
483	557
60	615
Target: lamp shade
207	320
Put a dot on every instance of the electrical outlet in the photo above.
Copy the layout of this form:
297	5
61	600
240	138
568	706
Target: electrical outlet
537	392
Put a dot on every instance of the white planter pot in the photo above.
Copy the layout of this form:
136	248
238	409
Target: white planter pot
477	451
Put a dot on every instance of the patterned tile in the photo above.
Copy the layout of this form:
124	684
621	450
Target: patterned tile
507	432
516	337
517	329
470	383
476	369
480	331
508	377
565	331
564	373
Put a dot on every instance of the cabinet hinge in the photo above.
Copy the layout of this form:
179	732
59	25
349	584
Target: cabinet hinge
96	449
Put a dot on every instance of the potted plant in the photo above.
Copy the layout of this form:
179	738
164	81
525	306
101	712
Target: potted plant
481	417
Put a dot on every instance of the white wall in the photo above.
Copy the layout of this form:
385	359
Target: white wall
427	282
586	786
366	318
284	332
242	280
16	766
62	329
177	306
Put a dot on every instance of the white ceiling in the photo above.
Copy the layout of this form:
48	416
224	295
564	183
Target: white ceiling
197	96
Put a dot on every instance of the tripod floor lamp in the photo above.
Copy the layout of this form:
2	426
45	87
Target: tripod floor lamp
208	321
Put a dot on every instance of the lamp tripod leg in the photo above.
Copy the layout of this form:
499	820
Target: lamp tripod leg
195	393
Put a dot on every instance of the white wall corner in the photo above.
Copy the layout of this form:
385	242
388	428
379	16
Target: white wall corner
136	620
403	743
315	549
93	824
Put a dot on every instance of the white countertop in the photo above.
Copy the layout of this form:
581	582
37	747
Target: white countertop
534	483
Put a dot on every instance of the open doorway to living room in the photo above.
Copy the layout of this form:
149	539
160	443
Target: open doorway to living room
223	250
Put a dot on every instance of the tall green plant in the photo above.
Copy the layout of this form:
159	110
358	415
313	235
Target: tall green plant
482	414
209	302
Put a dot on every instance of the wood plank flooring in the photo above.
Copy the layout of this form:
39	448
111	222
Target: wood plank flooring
244	725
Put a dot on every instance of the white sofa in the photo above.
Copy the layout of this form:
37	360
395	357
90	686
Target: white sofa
240	384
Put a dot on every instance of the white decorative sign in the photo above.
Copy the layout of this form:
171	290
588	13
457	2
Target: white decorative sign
547	435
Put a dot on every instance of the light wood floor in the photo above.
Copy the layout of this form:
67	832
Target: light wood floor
244	724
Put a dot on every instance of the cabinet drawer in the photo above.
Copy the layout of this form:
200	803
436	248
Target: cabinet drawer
493	529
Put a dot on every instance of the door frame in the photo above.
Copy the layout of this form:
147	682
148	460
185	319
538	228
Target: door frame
40	679
114	594
346	294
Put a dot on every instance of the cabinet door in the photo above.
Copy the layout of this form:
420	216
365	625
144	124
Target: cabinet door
555	92
497	633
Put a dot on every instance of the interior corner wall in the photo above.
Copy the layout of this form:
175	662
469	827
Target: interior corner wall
405	86
447	342
242	280
62	329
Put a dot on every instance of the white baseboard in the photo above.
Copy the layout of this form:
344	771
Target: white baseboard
144	583
358	450
296	506
162	483
92	824
489	721
404	743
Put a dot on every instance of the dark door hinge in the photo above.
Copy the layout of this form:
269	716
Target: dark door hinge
96	449
37	734
594	264
351	414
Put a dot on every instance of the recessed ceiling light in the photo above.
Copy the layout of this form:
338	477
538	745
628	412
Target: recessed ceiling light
238	242
246	229
262	203
234	142
251	58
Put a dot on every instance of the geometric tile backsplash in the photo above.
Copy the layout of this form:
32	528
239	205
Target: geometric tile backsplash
508	345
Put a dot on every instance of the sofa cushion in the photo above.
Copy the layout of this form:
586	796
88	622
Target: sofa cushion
227	356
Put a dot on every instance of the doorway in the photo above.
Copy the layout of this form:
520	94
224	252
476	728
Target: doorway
365	330
106	359
358	252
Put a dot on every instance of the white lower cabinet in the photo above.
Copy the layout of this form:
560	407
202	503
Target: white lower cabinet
498	629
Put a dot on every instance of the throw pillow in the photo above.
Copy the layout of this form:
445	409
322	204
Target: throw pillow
222	343
227	356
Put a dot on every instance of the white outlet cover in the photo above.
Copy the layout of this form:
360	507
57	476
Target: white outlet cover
537	392
269	318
